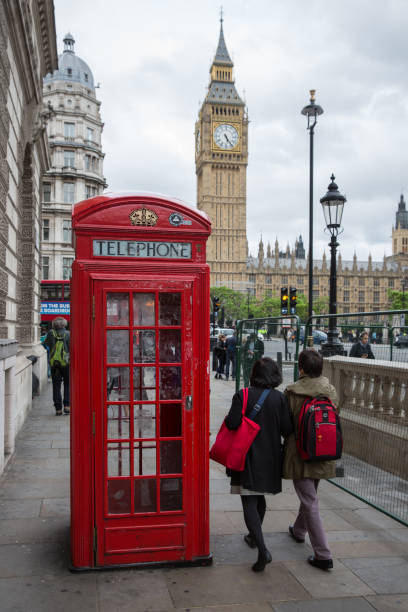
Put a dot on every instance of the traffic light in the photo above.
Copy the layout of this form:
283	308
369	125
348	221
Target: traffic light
284	300
293	300
216	304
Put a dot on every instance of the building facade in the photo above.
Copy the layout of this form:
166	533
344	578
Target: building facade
221	138
76	173
28	50
221	157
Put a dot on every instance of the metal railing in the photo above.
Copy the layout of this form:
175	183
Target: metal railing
373	398
267	337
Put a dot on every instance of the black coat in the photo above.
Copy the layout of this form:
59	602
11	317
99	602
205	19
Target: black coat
263	464
359	349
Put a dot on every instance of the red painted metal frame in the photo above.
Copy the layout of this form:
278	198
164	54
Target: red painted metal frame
107	217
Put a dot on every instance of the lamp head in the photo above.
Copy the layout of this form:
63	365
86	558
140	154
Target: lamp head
333	204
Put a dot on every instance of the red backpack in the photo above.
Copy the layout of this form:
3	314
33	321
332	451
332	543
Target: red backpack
320	437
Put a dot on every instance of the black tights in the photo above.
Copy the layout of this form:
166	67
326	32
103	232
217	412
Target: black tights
254	507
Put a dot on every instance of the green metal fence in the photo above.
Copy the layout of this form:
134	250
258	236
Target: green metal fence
374	407
275	337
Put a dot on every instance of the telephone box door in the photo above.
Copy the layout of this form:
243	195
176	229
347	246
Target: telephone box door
142	368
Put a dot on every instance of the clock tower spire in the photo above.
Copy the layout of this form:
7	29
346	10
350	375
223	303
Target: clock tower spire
221	135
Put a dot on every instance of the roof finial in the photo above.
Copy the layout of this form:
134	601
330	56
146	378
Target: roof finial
221	15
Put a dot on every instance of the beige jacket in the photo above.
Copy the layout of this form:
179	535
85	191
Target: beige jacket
293	466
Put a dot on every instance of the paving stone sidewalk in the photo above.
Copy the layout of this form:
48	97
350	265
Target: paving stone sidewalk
370	550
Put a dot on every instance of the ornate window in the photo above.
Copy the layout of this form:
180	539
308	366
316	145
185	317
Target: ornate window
66	267
46	268
46	229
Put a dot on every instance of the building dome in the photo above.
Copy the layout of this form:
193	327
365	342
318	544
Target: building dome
71	68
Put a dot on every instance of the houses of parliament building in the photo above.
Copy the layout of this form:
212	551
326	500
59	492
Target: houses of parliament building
221	157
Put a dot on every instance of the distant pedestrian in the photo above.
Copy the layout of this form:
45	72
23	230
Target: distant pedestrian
252	350
231	353
362	348
221	354
57	342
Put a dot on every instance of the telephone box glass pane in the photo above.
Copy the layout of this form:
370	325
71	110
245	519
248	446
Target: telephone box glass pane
170	420
170	457
170	345
145	458
117	309
170	383
145	495
171	497
117	384
119	496
143	309
118	459
169	309
118	421
144	383
144	346
117	346
144	421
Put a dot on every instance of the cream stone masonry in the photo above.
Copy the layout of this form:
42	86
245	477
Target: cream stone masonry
221	136
74	134
27	53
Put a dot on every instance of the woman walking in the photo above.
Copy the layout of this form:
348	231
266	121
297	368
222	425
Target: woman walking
306	476
263	464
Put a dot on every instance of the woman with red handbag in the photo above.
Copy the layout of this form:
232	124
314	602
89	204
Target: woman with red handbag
262	473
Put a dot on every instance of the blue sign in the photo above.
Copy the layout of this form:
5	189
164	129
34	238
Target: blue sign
55	308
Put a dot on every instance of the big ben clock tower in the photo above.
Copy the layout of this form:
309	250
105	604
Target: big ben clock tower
221	136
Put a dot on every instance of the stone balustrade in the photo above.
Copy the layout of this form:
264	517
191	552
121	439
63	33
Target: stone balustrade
373	398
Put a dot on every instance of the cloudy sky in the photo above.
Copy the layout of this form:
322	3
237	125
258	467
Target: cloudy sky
152	61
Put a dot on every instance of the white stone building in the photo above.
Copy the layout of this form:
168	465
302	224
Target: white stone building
28	51
74	135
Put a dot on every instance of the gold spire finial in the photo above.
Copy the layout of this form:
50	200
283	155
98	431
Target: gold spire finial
312	95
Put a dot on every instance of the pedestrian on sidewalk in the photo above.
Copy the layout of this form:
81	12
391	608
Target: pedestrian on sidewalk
220	353
263	464
362	348
306	476
57	342
231	353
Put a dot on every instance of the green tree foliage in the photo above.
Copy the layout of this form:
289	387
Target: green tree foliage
398	299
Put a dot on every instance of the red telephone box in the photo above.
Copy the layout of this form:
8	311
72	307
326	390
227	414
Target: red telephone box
139	383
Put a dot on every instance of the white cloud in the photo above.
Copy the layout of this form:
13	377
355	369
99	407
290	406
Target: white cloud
152	60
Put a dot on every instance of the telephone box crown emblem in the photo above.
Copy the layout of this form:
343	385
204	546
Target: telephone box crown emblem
143	216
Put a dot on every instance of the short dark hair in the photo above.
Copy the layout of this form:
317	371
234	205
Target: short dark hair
311	363
265	373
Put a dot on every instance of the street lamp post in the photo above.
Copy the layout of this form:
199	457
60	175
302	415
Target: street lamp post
311	111
333	204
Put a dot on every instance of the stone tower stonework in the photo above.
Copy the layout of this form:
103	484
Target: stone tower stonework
221	136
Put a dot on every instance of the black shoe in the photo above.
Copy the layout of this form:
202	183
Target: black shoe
250	540
216	376
323	564
58	412
66	410
259	566
298	540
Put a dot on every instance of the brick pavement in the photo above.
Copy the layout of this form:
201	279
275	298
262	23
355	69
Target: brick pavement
370	550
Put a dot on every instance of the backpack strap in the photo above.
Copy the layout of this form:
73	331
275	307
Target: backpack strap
259	404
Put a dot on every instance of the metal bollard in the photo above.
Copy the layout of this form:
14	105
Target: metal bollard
279	360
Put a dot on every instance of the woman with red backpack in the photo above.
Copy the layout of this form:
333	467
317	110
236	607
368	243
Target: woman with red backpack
306	474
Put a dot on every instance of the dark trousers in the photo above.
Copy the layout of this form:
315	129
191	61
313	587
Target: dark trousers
59	376
230	359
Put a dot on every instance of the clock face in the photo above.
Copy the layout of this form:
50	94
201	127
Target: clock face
226	136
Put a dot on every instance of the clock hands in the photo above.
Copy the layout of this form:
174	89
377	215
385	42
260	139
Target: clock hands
228	140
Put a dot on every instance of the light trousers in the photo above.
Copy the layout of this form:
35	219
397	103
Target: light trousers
308	519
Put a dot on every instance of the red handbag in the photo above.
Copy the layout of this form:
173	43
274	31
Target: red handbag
232	445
